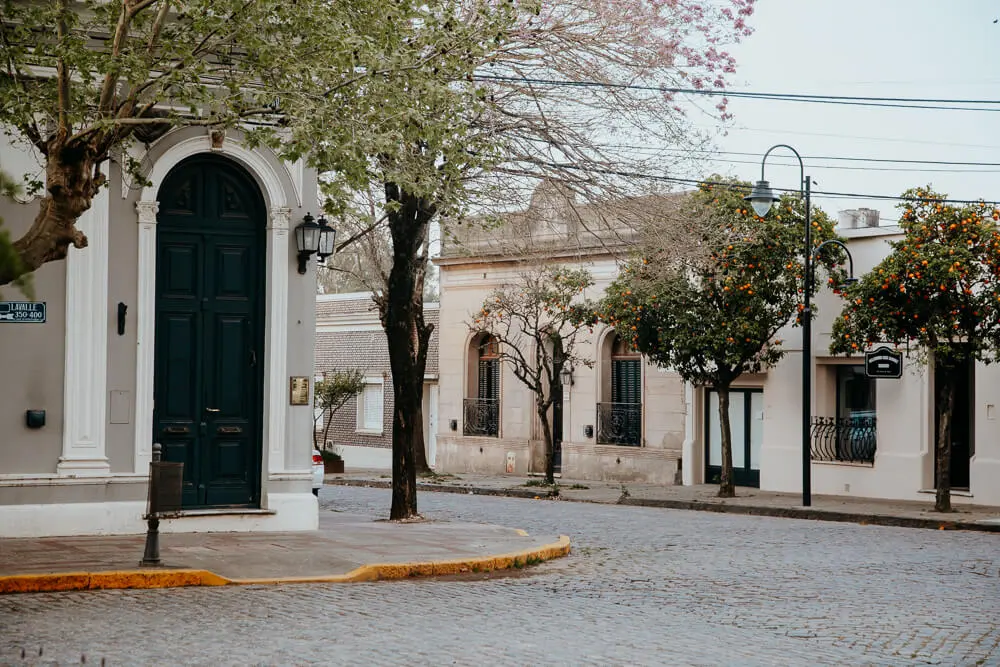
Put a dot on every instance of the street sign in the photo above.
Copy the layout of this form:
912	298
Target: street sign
884	363
22	311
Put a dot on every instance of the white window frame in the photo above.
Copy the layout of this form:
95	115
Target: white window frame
360	417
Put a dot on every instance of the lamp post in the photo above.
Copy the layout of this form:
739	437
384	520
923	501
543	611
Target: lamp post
761	198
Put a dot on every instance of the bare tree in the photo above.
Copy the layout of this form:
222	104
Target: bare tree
537	322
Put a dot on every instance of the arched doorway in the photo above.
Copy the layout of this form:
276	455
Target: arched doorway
208	368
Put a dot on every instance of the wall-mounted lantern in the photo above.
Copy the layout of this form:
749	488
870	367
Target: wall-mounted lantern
566	375
327	240
314	238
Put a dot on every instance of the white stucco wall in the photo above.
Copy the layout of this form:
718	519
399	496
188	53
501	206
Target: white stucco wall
904	462
464	287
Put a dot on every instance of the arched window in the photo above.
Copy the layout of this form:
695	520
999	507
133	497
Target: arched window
489	369
626	373
482	405
619	415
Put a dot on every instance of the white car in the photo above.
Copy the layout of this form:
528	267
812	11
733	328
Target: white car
317	472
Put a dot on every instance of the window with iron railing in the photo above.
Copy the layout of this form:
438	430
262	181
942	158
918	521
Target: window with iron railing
619	424
482	417
851	436
482	413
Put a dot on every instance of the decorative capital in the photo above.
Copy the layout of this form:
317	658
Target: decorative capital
147	211
280	218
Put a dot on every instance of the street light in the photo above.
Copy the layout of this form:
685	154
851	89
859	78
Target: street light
761	198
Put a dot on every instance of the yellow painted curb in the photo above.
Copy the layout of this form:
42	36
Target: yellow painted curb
82	581
384	571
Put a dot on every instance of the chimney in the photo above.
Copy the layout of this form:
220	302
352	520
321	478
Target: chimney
853	218
869	217
847	219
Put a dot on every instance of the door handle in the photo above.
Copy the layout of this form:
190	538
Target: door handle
212	410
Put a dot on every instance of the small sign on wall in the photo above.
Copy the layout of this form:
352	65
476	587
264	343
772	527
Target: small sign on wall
299	390
884	363
22	312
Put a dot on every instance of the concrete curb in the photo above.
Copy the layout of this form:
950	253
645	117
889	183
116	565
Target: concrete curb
806	513
449	488
88	581
815	514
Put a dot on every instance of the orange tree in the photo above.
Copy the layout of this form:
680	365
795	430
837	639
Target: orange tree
710	309
937	291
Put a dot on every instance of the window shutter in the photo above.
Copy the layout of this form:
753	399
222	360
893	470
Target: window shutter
626	384
489	379
373	407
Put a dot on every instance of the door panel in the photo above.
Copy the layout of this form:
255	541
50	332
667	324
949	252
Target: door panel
210	282
756	427
746	422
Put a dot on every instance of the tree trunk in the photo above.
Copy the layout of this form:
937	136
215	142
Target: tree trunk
727	487
942	450
550	459
423	335
72	180
403	319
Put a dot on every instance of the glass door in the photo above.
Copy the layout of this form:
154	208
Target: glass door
746	423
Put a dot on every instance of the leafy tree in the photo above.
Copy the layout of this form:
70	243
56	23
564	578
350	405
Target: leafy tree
9	260
358	88
710	309
310	78
939	291
538	326
330	395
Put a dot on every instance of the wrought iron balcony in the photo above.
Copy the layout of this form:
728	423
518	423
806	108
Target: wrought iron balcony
482	417
619	424
850	439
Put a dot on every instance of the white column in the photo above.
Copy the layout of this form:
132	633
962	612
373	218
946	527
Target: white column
86	381
276	340
146	330
687	449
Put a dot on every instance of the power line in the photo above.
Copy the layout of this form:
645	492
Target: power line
701	181
813	157
708	157
836	135
847	100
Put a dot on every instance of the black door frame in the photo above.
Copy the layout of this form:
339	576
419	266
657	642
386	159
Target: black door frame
258	314
963	416
747	475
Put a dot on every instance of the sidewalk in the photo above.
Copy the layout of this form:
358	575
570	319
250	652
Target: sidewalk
703	497
346	548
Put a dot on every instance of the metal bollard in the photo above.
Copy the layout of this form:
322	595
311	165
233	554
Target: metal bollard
151	555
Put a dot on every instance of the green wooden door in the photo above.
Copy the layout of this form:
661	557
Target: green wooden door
208	387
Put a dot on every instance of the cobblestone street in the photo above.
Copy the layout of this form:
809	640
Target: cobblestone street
643	586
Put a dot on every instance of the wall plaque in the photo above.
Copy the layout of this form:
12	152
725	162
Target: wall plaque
22	311
299	390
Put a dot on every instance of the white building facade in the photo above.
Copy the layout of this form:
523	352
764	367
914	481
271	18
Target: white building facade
184	322
621	418
869	437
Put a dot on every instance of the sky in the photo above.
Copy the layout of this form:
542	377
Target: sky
885	48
